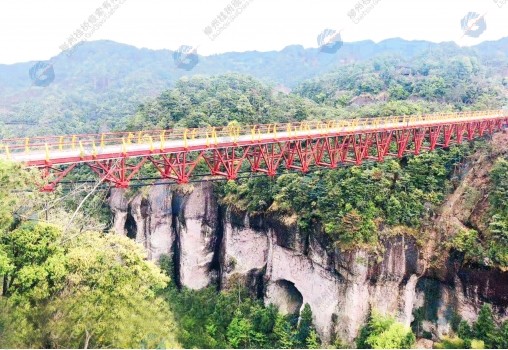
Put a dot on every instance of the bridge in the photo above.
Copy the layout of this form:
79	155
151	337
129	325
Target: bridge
118	157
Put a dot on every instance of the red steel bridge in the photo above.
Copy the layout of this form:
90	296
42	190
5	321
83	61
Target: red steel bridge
118	157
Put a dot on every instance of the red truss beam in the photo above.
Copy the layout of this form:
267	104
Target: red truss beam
53	175
178	166
270	155
226	161
117	171
266	158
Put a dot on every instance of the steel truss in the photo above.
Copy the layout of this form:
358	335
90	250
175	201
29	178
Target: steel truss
269	156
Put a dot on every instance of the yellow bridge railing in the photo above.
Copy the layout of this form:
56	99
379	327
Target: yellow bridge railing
95	143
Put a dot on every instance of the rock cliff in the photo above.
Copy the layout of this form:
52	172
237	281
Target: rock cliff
211	244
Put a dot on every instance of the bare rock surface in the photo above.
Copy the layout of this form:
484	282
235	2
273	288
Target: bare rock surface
196	224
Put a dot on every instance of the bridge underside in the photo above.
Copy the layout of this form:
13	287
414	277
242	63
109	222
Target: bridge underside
270	157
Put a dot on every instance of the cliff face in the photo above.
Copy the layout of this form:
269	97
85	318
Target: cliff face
210	244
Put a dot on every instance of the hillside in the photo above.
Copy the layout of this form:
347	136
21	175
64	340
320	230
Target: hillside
101	84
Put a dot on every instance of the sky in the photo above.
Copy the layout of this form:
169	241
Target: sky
33	30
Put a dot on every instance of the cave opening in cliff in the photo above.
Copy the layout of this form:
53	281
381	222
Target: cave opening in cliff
130	226
286	296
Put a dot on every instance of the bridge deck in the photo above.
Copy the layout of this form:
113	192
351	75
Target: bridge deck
82	148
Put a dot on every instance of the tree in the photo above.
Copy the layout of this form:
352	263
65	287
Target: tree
312	340
38	262
502	336
484	328
15	187
97	291
383	332
283	333
239	331
464	330
305	325
110	298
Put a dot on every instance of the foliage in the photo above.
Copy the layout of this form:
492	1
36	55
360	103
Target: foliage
312	341
233	319
498	228
109	283
351	203
217	101
89	290
484	333
451	343
450	80
468	242
13	178
484	328
491	248
96	292
38	263
384	332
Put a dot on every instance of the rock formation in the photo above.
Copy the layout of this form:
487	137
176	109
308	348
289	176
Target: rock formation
210	244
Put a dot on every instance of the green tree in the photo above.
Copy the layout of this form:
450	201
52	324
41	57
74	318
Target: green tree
38	262
110	297
239	331
96	291
502	336
283	333
464	330
312	340
383	332
304	325
485	328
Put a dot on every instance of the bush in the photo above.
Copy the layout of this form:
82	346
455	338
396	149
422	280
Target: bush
383	332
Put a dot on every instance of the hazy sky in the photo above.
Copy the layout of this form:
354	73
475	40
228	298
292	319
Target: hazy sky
35	29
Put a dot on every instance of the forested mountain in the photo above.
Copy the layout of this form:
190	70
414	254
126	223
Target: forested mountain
102	82
377	87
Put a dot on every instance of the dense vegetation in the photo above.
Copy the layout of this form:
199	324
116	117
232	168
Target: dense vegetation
68	287
233	319
383	332
352	204
491	246
216	101
63	288
484	333
101	84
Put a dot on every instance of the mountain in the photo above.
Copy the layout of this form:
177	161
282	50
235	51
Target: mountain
102	82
